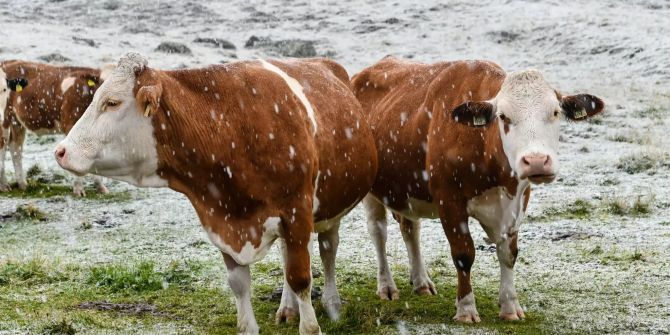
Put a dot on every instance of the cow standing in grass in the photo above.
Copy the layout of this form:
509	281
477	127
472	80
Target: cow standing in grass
44	99
262	149
457	140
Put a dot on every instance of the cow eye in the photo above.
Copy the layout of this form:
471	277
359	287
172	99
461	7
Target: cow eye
556	113
503	118
112	103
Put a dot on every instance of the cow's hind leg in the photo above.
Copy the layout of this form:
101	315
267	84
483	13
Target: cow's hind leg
418	275
377	227
328	243
239	279
507	250
100	185
16	139
288	307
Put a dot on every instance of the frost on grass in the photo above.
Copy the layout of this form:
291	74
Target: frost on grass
644	161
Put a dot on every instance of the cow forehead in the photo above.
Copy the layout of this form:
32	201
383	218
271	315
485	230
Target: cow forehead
525	92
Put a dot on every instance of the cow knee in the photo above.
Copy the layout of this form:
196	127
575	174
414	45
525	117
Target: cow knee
299	279
463	260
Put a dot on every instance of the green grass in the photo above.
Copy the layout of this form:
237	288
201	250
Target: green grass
579	209
38	189
44	298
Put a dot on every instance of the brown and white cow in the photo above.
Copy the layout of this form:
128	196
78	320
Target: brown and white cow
44	99
262	149
457	140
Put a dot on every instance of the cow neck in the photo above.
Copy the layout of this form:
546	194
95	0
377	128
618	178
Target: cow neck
194	148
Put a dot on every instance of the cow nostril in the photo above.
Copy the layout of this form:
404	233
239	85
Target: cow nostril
60	153
547	161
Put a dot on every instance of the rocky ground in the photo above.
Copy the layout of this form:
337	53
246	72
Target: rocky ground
595	249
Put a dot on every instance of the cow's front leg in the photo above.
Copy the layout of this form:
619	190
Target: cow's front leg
100	185
454	217
4	142
507	249
239	279
419	276
16	138
297	270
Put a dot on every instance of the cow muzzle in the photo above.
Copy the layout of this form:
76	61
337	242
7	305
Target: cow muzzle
538	168
62	155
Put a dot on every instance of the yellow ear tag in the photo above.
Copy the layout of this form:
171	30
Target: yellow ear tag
479	121
580	114
147	111
19	88
90	83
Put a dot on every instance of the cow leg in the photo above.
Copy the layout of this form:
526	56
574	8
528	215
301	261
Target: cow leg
386	288
454	217
4	142
328	243
16	139
100	185
297	270
288	307
78	187
419	277
239	279
507	250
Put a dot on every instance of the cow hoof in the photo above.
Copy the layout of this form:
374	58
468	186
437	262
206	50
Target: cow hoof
286	314
332	307
511	311
467	318
5	188
102	189
79	192
310	329
388	292
427	288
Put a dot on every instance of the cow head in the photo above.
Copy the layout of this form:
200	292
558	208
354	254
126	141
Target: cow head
7	85
527	112
114	137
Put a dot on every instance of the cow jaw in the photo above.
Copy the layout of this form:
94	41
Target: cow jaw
114	141
528	118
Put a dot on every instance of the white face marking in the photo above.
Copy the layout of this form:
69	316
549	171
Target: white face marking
4	94
115	141
249	254
66	84
297	89
529	103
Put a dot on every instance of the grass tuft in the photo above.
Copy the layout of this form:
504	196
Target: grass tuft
644	161
59	328
30	212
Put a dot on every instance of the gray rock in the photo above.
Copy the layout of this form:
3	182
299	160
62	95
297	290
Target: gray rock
286	48
173	48
215	42
54	58
86	41
503	36
111	5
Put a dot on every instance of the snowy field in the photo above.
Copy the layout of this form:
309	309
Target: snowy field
594	251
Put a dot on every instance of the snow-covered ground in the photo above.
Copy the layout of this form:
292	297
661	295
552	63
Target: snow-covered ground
618	50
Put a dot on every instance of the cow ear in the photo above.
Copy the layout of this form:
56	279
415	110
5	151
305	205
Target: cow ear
17	84
581	106
149	98
474	114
